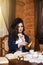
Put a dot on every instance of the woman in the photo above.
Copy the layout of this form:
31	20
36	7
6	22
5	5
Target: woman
17	40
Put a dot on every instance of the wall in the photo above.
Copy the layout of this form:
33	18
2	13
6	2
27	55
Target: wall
25	10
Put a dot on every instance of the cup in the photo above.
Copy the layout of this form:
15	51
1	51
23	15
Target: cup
31	51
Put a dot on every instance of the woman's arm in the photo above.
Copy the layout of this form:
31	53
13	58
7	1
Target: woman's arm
12	46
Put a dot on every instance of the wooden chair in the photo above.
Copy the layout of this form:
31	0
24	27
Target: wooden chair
4	45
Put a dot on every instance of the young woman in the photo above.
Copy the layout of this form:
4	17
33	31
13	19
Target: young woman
17	40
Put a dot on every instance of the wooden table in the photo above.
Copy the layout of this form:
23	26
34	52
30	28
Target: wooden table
21	62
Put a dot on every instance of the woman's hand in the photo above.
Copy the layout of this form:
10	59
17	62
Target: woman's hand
22	37
22	44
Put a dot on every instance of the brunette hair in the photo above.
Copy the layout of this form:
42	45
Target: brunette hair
14	28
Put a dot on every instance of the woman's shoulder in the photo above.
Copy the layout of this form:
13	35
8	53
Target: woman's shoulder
10	37
26	35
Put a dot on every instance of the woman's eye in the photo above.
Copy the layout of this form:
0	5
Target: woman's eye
20	26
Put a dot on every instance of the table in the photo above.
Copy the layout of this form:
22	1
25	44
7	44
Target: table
21	62
4	61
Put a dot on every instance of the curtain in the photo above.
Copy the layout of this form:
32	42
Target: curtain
3	18
7	14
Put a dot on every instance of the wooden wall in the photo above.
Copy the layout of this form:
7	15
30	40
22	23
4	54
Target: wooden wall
25	10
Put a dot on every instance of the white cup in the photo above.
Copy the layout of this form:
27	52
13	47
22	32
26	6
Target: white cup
31	51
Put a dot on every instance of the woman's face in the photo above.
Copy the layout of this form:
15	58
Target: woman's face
20	27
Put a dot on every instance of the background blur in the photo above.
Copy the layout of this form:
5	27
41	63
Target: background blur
25	9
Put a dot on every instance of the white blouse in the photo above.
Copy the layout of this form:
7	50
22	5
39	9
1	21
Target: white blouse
20	40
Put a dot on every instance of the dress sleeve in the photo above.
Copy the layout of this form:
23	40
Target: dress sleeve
27	39
11	43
